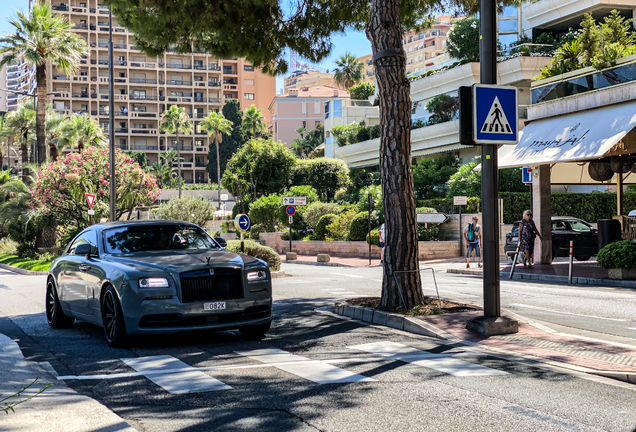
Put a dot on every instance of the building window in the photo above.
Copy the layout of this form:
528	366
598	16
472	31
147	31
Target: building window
304	108
317	108
248	82
248	68
326	110
509	11
304	124
249	96
507	26
337	108
276	127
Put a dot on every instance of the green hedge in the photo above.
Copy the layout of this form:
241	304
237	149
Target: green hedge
323	223
375	238
359	228
445	205
621	254
257	250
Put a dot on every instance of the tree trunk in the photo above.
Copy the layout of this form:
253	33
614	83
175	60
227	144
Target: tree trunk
179	162
40	115
218	169
24	150
401	250
52	152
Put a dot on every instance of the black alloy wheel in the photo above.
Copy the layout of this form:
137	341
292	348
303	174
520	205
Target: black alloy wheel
54	314
583	258
113	319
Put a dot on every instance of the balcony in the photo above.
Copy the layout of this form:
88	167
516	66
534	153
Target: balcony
199	99
179	83
142	97
177	66
81	10
199	67
144	131
80	95
102	45
214	100
199	164
81	26
214	84
60	7
61	78
121	130
214	68
142	81
179	99
119	46
144	65
229	71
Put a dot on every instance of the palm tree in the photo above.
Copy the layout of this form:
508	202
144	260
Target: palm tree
162	171
54	124
80	130
173	121
21	123
253	121
38	39
349	71
301	131
216	125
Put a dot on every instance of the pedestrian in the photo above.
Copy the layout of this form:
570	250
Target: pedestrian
527	233
472	234
382	242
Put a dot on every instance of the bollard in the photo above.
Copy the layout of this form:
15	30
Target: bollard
571	261
514	261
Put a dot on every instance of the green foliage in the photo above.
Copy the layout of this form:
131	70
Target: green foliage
315	211
422	210
325	175
430	176
465	182
347	134
232	112
349	71
253	123
375	238
427	233
18	396
80	131
321	226
462	42
362	91
514	204
265	211
510	180
197	210
140	158
443	108
445	205
299	223
338	229
375	131
255	231
33	262
378	203
304	147
260	167
257	250
620	254
359	227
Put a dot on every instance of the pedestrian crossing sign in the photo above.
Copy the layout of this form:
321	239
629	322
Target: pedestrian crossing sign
496	114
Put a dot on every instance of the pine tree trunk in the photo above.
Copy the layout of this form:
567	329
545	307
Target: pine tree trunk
401	251
40	114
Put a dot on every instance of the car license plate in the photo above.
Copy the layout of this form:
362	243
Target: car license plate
213	306
515	239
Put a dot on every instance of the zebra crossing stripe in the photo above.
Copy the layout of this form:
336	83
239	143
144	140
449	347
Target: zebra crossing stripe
318	372
439	362
184	381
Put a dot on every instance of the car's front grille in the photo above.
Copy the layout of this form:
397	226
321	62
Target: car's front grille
225	284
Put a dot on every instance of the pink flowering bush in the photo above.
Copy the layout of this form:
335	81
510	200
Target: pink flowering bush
60	187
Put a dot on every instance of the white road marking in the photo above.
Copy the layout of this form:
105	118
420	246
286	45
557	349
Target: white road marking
348	275
332	289
566	313
438	362
354	295
321	373
187	380
631	328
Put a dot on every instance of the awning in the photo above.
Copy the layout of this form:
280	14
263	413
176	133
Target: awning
576	137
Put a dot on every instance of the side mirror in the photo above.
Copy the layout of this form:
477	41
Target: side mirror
83	250
221	241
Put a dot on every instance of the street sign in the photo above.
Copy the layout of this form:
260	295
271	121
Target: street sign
297	201
224	197
460	200
90	198
496	114
291	219
91	212
527	175
242	222
436	218
291	210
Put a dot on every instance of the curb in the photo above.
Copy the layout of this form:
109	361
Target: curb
552	278
325	264
278	274
396	321
23	271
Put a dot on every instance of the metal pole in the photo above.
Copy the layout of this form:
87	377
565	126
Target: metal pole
514	261
571	262
489	174
461	233
290	233
111	119
369	220
242	242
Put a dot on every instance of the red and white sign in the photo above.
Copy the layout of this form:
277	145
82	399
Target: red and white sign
91	200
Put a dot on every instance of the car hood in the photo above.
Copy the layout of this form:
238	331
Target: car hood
181	261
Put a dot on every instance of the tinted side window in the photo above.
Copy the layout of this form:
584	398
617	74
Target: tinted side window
86	237
579	226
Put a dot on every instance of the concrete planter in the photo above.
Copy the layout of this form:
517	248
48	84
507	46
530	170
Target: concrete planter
622	274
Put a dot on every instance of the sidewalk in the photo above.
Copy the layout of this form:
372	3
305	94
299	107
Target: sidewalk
58	409
356	262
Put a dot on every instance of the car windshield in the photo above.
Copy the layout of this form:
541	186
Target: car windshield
146	238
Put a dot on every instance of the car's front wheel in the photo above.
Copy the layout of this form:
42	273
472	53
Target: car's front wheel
255	331
113	319
583	258
54	314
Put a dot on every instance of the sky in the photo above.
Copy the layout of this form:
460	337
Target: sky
353	42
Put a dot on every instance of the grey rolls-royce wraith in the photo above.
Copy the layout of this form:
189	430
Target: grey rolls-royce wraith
144	277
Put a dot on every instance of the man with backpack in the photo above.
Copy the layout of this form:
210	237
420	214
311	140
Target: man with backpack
472	234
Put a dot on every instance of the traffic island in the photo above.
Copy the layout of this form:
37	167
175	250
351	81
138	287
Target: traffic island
492	326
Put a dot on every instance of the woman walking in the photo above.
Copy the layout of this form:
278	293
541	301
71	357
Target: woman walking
527	233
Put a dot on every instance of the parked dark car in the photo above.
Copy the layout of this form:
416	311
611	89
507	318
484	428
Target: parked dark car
564	229
143	277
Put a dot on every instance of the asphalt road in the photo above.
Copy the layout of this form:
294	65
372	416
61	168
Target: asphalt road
315	371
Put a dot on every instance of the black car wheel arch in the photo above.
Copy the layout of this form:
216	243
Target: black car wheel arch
113	319
54	314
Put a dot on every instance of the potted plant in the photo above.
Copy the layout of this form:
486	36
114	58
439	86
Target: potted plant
620	259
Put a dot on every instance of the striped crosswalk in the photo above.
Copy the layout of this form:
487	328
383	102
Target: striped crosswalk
177	377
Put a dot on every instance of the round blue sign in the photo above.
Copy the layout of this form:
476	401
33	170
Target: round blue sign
291	210
242	222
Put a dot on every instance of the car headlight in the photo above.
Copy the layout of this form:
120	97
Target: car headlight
153	283
257	276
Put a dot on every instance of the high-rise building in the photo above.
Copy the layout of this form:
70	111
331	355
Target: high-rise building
146	86
18	79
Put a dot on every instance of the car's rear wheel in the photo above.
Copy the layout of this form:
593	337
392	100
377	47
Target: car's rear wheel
582	258
255	331
113	319
54	314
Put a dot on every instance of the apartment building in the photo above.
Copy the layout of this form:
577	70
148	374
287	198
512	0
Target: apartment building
17	77
309	78
146	86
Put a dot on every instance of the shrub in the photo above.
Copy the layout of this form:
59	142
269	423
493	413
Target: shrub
378	204
255	230
620	254
197	210
375	131
364	134
338	229
321	226
265	211
359	228
427	233
362	91
8	246
375	238
257	250
315	211
421	210
323	174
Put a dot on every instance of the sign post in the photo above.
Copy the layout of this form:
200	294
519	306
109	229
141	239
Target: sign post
242	223
90	199
369	228
527	179
460	201
495	121
291	211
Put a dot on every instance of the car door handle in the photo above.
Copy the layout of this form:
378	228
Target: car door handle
84	267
